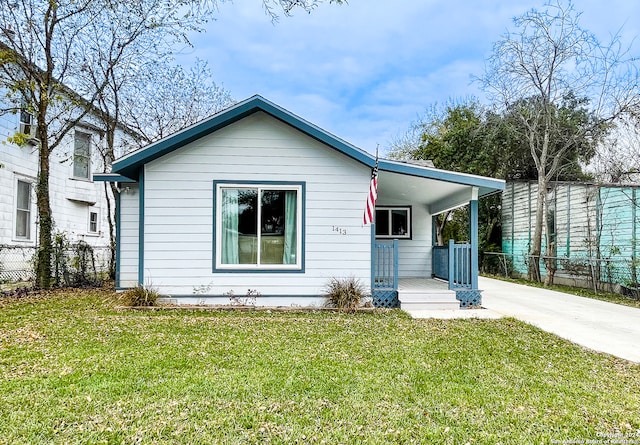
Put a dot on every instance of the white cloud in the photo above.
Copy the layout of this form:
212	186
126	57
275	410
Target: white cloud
365	70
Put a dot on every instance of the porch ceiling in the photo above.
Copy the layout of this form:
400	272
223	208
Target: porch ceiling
437	195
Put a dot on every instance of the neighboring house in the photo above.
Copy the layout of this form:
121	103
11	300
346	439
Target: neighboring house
594	229
257	201
78	204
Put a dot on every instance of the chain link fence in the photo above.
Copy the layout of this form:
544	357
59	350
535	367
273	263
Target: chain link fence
76	264
605	274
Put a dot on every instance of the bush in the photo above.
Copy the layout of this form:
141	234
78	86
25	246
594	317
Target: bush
344	293
140	296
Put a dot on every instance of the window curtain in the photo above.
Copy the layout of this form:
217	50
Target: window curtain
230	227
290	235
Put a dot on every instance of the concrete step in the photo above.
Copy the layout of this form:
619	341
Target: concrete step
431	300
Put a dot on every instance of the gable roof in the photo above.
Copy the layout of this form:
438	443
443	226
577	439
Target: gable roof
129	165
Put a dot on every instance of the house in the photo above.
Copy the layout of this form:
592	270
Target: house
79	205
594	229
257	201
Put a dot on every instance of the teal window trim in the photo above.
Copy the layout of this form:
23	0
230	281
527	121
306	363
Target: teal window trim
249	269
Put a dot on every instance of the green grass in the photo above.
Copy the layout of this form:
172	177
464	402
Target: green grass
582	292
75	370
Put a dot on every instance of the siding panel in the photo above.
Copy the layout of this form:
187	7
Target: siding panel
179	209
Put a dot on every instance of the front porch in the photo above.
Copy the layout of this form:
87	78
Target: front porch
452	283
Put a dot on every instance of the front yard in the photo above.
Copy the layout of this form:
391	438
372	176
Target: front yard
73	369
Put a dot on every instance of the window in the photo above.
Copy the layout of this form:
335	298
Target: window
26	122
23	210
393	222
81	155
93	222
259	226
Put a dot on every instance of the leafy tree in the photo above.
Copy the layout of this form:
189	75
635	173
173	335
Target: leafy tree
461	137
533	74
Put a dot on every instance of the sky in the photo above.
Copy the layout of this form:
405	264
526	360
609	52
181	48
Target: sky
366	70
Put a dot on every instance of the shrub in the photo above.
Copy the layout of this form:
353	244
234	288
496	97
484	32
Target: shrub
344	293
140	296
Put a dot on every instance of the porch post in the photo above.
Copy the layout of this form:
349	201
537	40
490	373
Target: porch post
473	234
373	258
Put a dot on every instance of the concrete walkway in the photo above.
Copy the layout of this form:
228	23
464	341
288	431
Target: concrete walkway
598	325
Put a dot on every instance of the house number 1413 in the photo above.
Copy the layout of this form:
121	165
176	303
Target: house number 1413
340	230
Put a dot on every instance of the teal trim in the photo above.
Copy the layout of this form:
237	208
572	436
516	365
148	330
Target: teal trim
473	230
129	165
118	224
302	185
141	227
110	177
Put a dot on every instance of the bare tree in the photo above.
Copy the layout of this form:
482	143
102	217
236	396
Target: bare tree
38	56
617	158
48	52
534	69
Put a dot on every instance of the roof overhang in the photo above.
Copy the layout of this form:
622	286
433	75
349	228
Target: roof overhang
444	187
111	177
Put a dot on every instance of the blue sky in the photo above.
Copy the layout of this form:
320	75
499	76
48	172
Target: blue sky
366	70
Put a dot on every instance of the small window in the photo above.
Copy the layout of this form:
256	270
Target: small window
26	122
81	155
393	222
259	227
93	222
23	210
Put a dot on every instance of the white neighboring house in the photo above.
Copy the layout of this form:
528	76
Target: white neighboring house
78	204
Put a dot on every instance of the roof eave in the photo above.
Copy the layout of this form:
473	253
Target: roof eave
485	185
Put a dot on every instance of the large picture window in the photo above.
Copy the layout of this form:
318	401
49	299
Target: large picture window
258	226
393	222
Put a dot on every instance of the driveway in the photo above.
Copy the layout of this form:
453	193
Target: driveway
597	325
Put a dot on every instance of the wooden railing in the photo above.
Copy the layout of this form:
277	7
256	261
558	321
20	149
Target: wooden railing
385	266
453	263
459	266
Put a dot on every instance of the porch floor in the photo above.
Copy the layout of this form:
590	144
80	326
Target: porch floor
411	285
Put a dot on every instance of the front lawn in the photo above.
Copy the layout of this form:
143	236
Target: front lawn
73	369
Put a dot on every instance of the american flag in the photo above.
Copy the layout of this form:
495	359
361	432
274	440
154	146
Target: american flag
369	210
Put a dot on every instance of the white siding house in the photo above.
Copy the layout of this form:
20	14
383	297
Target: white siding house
255	200
78	204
